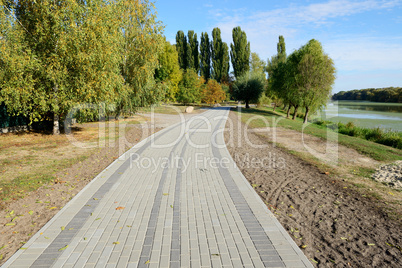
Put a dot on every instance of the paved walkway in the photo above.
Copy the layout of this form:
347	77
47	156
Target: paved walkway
174	200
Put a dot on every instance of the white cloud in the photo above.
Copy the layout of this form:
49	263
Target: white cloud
366	54
356	55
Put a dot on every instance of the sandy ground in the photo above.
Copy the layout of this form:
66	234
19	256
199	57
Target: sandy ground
333	224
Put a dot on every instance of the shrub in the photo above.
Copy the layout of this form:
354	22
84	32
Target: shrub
213	92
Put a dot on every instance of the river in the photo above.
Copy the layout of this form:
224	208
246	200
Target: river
365	114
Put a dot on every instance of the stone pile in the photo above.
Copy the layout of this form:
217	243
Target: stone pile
390	174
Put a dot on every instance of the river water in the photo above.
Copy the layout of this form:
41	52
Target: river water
365	114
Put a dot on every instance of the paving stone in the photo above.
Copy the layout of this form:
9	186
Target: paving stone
177	215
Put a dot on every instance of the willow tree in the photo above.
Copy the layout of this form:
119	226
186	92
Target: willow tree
71	52
314	77
249	87
74	52
142	43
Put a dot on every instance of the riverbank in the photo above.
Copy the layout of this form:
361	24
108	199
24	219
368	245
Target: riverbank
327	202
365	114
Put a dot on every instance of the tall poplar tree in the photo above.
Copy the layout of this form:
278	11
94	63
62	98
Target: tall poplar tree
205	66
220	57
275	68
281	49
182	49
240	52
192	51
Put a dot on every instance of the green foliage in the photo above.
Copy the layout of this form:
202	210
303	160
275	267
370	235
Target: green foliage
249	88
62	53
205	66
220	57
168	74
190	88
240	52
374	150
312	76
256	64
11	121
378	135
263	100
276	69
390	94
192	51
182	48
281	49
304	79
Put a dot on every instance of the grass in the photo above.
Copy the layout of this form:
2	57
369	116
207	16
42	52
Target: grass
378	135
268	116
30	160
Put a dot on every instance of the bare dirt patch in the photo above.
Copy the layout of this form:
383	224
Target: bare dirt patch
327	216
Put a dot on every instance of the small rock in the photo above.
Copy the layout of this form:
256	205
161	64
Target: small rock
189	109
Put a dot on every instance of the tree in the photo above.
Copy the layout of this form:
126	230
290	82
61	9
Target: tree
315	76
256	64
281	49
240	52
142	43
213	92
168	73
220	57
276	69
248	88
64	53
205	48
190	88
68	68
182	50
193	54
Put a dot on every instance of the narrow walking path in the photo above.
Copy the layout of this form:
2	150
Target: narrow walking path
174	200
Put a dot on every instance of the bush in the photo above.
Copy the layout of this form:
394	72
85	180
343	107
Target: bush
393	139
373	134
213	92
190	88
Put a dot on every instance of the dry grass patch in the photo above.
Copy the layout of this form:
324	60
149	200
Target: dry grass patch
28	160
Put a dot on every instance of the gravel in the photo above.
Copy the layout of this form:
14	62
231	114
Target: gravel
390	174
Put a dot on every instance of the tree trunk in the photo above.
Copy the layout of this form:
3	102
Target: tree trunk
247	104
56	126
288	113
284	106
274	106
305	116
295	113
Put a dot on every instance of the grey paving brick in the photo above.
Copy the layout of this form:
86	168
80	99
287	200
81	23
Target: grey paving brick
211	216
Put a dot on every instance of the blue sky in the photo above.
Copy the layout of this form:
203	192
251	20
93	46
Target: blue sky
364	37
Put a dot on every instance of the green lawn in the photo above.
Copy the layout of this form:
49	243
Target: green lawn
278	118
